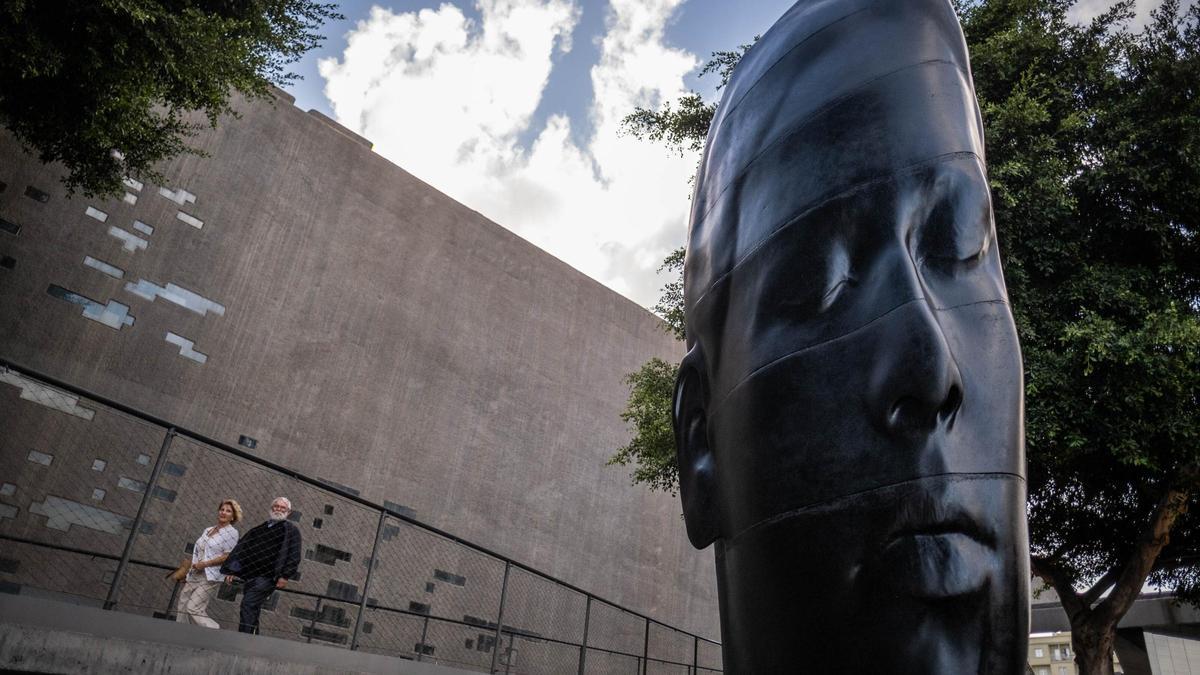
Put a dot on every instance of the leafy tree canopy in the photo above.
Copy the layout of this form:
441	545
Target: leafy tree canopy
1093	153
79	80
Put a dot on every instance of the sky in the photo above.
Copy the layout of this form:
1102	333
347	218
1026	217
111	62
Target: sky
513	108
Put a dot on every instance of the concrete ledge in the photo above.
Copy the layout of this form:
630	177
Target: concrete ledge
45	636
1151	610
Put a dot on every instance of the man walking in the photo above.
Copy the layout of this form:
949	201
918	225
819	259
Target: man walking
265	558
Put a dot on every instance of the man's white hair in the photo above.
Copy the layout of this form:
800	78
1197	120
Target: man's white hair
286	502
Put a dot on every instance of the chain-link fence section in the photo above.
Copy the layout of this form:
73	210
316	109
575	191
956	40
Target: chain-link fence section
100	504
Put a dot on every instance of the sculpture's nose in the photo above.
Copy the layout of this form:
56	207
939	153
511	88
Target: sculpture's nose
915	384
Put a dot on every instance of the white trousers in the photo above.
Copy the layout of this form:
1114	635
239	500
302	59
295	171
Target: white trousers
193	601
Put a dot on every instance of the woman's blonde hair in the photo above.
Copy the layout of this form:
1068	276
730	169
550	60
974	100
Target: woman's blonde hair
237	509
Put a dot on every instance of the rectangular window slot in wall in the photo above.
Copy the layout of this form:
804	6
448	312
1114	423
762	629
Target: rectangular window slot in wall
47	396
7	490
314	633
9	227
36	194
143	228
132	184
131	484
8	262
62	513
129	241
173	469
114	314
93	212
98	494
342	591
399	508
333	616
327	555
179	196
40	458
143	459
165	494
110	270
129	198
247	441
3	186
339	486
186	348
178	295
456	579
190	219
98	465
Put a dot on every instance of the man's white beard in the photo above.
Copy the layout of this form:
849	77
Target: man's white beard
276	516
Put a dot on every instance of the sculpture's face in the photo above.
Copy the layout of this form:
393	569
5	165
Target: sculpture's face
849	415
868	455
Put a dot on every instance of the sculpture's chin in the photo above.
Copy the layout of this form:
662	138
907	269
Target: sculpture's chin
928	576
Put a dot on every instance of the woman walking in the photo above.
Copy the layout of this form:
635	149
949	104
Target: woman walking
210	551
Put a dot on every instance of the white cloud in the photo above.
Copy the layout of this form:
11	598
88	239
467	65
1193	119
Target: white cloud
1086	10
448	99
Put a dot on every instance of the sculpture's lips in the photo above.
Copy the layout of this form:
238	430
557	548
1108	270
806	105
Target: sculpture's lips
942	559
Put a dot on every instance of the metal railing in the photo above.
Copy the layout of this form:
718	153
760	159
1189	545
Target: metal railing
98	500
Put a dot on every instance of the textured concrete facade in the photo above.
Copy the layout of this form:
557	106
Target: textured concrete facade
363	328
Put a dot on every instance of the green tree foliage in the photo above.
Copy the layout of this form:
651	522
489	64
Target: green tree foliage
79	80
652	449
670	304
684	126
1094	160
1093	144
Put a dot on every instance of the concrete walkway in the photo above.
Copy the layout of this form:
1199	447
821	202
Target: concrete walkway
45	636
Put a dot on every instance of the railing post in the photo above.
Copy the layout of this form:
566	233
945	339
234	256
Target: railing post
500	617
362	603
312	625
115	588
424	632
173	601
587	619
646	650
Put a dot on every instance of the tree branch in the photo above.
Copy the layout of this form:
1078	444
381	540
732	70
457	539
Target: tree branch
1102	584
1129	584
1049	571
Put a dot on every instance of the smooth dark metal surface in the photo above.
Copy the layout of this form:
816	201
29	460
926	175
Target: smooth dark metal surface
849	416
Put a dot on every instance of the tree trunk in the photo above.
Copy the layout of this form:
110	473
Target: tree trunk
1093	649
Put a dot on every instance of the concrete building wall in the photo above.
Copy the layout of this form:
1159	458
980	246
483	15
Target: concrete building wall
364	328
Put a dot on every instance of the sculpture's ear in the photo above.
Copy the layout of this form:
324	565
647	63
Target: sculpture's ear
697	469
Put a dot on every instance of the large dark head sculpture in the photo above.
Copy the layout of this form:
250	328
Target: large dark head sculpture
849	413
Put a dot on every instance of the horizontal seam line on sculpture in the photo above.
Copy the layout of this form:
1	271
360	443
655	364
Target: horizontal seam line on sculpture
978	475
810	36
776	62
792	220
809	117
749	376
